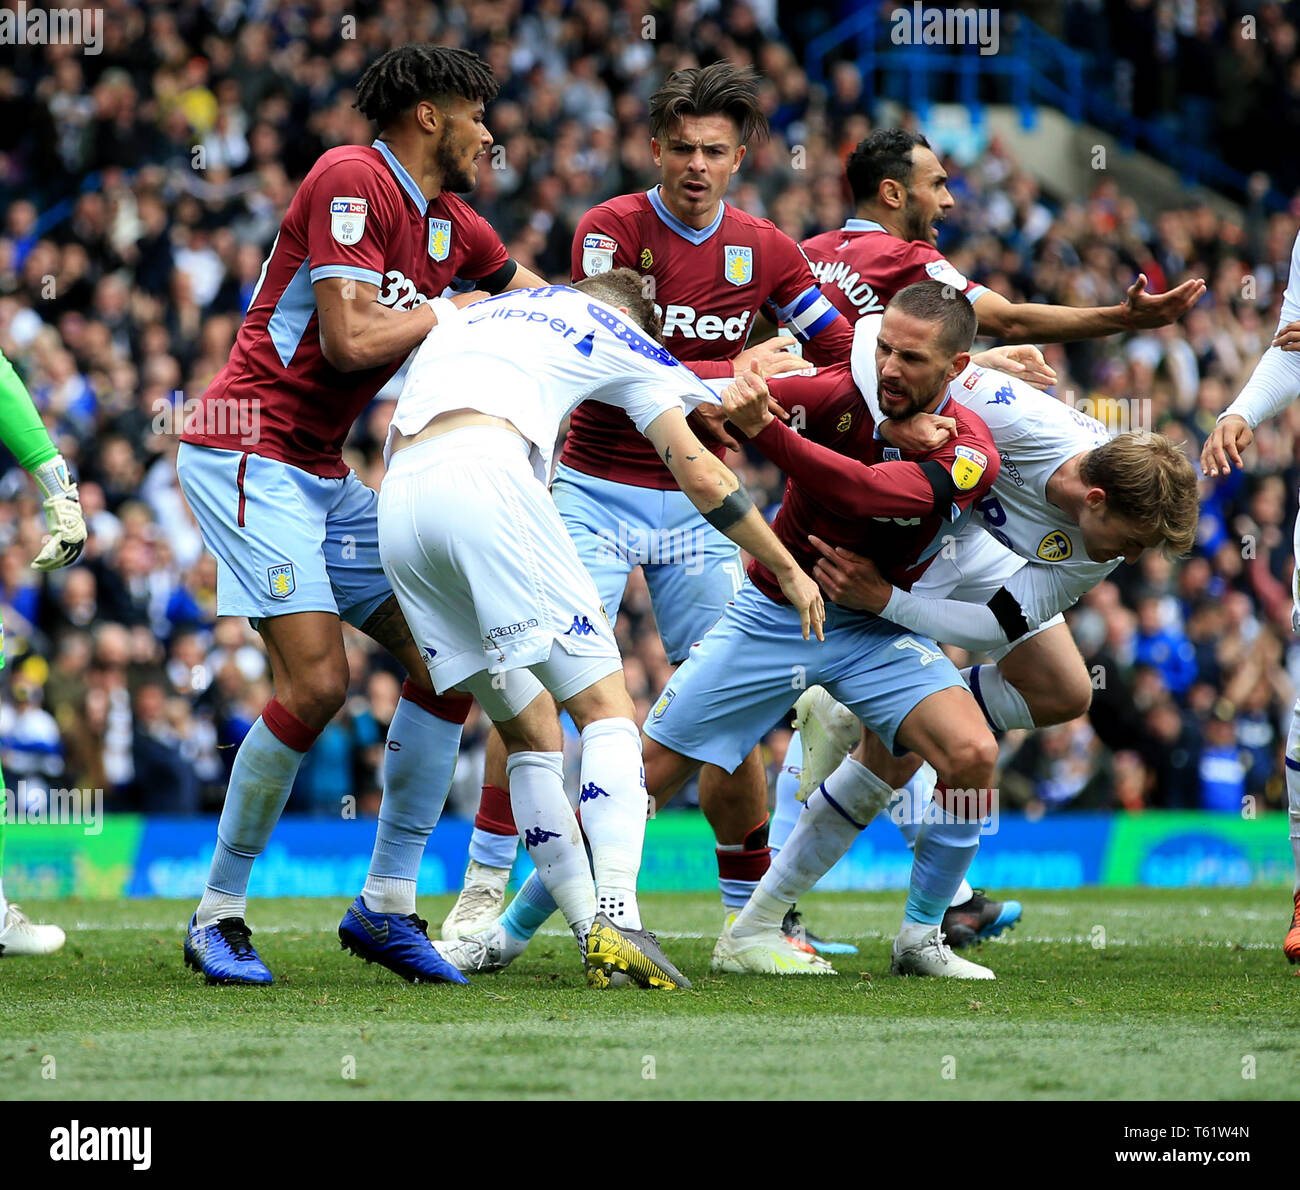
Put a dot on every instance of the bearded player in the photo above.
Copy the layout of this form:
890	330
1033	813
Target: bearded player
900	197
1272	386
709	268
27	440
371	236
1069	503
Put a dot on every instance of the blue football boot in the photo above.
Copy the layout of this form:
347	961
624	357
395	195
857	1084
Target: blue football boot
398	941
224	953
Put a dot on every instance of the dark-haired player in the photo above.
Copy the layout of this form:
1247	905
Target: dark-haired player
738	679
372	237
900	196
709	268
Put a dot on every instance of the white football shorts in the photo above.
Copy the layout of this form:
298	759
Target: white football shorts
487	575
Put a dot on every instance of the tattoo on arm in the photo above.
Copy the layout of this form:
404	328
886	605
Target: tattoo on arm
733	508
668	453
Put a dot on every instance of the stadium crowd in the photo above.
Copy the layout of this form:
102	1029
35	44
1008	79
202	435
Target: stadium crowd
141	189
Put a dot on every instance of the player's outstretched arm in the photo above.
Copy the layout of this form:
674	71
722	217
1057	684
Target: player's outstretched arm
1272	386
27	440
723	502
1025	322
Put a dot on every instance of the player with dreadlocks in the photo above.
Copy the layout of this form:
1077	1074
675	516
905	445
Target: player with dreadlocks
371	239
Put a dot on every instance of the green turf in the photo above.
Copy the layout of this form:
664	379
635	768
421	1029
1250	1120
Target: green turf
1189	993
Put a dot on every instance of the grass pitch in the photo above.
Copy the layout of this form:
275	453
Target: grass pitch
1101	994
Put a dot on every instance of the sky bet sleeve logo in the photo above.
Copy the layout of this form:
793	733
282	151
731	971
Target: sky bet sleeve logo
1055	547
968	467
439	239
598	254
738	264
348	219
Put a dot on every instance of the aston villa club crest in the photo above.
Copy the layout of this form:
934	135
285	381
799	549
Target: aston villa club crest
738	264
439	239
280	580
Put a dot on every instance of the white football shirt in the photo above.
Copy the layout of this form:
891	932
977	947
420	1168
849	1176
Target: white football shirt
532	356
1035	434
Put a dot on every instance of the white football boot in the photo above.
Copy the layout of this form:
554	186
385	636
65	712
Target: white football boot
482	952
765	952
829	730
20	936
480	902
929	956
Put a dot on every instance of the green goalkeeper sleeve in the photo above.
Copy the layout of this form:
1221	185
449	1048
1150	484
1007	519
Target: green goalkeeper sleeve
21	429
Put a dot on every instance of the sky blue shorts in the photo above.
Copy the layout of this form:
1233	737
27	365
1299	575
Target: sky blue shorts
285	540
692	570
748	672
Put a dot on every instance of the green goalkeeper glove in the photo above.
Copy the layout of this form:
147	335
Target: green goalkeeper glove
63	516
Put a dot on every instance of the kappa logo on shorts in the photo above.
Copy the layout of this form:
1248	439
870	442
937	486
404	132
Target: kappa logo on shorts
591	791
280	580
581	626
662	705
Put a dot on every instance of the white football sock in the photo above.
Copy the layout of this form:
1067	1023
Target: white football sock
1000	701
613	807
1292	770
388	894
550	834
832	818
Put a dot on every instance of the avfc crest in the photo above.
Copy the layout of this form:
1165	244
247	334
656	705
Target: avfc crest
440	239
1055	547
280	580
891	454
738	264
662	705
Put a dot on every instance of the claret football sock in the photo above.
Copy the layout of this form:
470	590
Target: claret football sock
495	839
